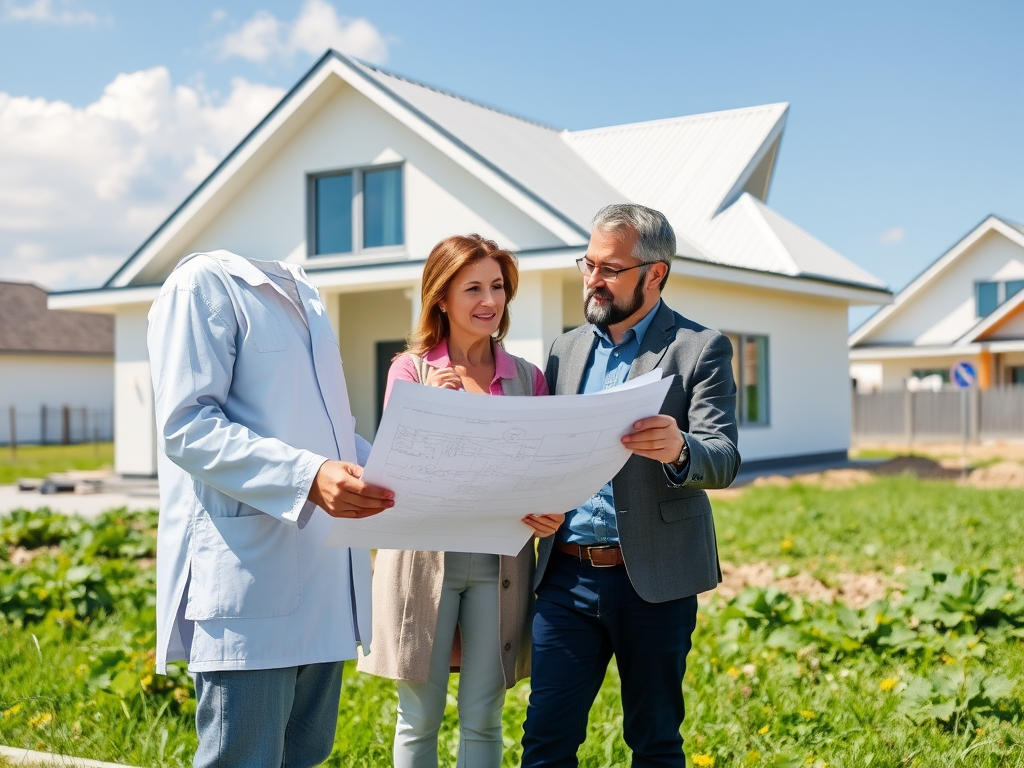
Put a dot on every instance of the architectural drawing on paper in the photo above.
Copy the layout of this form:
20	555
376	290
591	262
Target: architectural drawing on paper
465	467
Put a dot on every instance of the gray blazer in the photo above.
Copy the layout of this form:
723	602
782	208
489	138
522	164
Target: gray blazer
667	533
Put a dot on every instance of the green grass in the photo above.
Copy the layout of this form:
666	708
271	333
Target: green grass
751	701
895	521
41	460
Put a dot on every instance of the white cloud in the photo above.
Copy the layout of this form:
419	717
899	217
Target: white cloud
893	235
45	12
265	38
82	187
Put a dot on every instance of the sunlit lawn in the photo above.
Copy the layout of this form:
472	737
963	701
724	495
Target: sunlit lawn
41	460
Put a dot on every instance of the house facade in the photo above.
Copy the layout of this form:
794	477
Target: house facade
967	307
56	370
357	173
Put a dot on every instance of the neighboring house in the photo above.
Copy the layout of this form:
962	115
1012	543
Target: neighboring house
56	370
357	173
966	307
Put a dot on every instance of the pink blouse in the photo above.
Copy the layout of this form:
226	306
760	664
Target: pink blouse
404	369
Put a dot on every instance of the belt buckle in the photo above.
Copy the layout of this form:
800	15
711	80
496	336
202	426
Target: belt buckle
590	551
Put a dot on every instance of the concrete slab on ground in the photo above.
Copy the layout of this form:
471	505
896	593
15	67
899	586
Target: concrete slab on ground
26	757
85	504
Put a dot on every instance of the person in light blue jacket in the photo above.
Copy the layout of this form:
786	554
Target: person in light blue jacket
256	443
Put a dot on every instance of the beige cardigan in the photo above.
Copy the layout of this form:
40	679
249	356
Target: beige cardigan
407	591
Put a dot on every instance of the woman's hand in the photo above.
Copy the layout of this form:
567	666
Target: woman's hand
444	378
544	525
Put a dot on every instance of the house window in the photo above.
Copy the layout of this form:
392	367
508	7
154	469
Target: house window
922	373
987	298
356	210
1017	374
989	294
750	369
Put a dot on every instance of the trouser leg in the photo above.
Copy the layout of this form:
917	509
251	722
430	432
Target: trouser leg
650	642
570	655
421	704
481	680
309	736
241	717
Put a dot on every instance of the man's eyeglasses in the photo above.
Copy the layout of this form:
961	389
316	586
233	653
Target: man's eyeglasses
608	274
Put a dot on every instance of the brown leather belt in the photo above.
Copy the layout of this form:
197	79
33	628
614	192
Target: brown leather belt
598	555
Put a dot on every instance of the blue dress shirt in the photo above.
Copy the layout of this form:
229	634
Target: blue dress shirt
594	521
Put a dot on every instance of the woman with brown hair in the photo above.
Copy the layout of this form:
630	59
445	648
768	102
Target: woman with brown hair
434	611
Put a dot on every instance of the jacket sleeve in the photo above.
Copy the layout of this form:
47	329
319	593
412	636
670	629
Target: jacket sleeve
713	437
192	338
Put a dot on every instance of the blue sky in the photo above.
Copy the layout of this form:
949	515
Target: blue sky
906	124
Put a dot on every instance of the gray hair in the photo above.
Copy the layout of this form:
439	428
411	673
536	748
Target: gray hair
655	239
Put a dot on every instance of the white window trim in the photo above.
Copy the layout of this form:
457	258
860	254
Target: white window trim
359	254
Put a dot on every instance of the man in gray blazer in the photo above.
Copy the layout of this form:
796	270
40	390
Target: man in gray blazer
622	574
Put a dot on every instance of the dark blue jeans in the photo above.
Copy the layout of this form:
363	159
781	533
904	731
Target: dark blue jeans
584	616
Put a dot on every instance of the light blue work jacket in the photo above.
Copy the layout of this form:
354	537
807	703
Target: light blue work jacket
250	400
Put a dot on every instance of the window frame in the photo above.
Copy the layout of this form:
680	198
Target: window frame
737	354
359	251
1000	296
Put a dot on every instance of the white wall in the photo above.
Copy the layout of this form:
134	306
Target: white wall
267	218
363	320
28	382
134	421
809	376
945	310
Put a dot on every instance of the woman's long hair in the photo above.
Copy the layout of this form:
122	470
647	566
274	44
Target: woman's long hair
444	262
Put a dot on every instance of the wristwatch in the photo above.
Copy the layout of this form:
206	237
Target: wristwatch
684	456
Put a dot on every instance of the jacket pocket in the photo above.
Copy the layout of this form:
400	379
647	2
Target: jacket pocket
243	568
694	504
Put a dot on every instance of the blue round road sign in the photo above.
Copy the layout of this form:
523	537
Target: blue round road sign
963	375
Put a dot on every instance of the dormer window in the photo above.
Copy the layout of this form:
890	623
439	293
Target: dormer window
356	210
990	294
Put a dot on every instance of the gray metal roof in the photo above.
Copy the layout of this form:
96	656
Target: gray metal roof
535	155
27	326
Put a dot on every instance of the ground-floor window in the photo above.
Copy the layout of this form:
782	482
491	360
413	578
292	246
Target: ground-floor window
922	373
1017	374
750	369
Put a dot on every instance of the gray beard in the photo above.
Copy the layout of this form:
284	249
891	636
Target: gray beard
612	312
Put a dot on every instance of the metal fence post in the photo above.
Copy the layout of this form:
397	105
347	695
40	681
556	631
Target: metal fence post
42	426
14	431
65	425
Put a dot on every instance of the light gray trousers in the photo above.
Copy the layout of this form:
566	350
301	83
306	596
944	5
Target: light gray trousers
469	598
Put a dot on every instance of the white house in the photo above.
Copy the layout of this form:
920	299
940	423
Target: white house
966	307
357	173
56	370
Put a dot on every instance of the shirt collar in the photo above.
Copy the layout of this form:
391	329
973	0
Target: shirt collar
504	365
638	330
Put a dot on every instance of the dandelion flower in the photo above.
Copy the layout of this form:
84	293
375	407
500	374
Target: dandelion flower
704	761
786	545
41	720
807	714
12	711
733	673
763	730
888	684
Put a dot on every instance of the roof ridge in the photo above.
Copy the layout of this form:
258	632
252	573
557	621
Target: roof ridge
458	97
699	116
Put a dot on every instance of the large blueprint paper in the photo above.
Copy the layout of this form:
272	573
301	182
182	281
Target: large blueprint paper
466	468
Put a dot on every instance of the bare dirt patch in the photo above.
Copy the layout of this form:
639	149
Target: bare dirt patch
1004	474
853	589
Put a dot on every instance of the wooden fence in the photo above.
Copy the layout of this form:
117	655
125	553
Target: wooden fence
949	415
